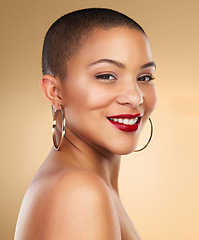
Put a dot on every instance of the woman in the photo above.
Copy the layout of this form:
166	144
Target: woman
97	75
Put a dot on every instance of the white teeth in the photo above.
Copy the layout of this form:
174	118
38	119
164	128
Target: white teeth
132	121
125	121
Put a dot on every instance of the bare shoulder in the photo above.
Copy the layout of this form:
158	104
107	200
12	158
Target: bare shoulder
78	205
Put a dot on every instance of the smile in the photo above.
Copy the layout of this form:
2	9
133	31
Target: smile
126	122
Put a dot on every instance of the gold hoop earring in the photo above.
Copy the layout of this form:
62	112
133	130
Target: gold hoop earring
138	150
63	129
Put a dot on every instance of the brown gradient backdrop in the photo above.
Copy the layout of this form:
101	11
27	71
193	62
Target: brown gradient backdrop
159	186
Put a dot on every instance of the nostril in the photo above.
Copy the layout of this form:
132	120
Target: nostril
132	98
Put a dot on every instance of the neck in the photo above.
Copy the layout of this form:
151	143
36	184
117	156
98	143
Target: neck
98	160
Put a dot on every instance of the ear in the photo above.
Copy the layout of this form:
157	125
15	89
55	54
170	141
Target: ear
50	88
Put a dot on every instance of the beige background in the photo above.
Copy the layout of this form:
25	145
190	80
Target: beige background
159	186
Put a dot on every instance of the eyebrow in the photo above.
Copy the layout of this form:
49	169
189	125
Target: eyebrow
121	65
150	64
105	60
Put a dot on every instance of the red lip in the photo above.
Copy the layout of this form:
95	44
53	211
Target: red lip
126	116
124	127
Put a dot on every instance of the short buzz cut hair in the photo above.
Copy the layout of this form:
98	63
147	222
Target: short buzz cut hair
66	35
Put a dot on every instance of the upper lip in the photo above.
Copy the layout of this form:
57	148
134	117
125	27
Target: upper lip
126	115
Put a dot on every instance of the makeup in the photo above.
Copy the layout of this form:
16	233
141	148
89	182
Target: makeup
126	122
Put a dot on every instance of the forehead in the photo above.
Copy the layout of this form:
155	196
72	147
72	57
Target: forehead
118	43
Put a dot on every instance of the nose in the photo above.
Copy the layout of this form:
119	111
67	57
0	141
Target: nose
132	96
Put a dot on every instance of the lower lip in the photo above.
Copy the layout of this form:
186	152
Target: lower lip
126	128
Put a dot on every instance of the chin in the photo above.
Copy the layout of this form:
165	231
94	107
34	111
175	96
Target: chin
123	150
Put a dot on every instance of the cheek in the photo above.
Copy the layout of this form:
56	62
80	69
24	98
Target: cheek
81	98
150	98
99	98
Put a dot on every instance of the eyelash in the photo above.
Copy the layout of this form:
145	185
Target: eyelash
106	77
143	78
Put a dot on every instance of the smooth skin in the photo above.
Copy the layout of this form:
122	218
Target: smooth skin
74	194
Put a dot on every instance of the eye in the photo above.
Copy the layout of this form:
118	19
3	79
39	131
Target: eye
106	76
146	78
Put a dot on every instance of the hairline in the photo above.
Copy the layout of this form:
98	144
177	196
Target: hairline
71	32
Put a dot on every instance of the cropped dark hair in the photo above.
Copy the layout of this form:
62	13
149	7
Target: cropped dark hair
66	35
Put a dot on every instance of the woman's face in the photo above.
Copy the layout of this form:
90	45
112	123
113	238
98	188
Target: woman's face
108	94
